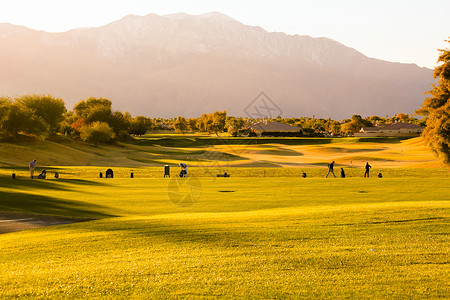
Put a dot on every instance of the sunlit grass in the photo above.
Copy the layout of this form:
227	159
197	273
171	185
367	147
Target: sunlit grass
263	238
203	150
265	232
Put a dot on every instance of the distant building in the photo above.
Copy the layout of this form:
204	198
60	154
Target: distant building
276	129
165	126
394	129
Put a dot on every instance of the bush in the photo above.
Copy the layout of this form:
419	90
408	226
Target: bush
97	132
124	136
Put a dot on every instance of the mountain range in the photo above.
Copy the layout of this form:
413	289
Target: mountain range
165	66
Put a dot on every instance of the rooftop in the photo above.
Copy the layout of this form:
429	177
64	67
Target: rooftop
392	126
275	127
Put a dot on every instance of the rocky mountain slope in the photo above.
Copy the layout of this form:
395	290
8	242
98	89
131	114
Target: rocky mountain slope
188	65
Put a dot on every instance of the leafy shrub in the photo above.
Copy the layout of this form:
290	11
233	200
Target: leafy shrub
97	132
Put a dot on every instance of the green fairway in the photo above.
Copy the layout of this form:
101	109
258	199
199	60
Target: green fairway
251	237
265	232
207	151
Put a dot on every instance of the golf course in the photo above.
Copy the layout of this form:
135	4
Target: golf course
264	232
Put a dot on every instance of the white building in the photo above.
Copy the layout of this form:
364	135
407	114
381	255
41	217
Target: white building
394	129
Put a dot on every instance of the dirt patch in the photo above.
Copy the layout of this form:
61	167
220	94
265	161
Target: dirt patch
11	221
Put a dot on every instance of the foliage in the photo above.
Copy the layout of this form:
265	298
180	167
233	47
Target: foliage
235	126
97	132
16	118
180	124
44	115
5	106
119	121
50	110
437	110
213	122
161	124
122	124
203	122
94	109
139	125
78	124
355	124
218	121
66	125
192	124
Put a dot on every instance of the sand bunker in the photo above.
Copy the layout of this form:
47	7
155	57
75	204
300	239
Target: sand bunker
11	221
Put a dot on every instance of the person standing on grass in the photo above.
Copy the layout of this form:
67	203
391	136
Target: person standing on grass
32	165
330	169
367	170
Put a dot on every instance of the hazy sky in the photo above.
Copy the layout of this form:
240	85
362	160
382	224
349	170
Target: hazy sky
408	31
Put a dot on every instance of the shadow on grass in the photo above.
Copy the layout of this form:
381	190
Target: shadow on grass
175	232
46	184
189	141
210	141
82	182
38	204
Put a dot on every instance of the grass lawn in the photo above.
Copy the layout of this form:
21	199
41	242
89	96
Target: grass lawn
244	236
265	232
223	152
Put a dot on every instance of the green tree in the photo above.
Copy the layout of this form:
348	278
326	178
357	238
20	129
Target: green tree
192	124
94	109
335	128
350	127
235	125
139	125
377	119
355	125
15	118
66	125
5	107
308	131
360	122
218	121
437	110
50	110
97	132
203	122
119	121
403	117
180	124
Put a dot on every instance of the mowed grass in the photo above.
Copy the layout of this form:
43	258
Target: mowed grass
238	237
263	233
206	151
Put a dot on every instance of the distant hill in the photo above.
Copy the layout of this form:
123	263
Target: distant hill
188	65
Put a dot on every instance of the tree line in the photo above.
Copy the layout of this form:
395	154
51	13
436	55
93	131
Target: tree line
318	126
237	126
91	120
94	121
